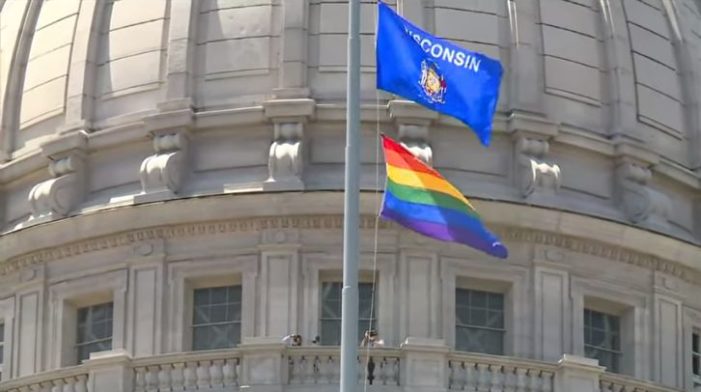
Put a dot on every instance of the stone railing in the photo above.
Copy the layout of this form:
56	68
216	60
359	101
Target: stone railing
495	373
214	370
321	365
610	382
264	364
74	379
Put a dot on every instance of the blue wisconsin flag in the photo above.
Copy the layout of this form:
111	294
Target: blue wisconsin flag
436	73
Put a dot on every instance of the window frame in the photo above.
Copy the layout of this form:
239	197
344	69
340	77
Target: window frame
632	307
617	354
696	353
365	278
236	284
501	331
7	310
2	347
65	298
78	344
188	275
319	266
485	275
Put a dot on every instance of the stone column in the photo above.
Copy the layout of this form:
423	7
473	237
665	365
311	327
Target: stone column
526	68
421	297
424	363
293	50
145	311
279	275
668	352
182	33
28	339
552	305
577	374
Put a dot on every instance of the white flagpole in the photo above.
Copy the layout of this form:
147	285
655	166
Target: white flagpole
351	215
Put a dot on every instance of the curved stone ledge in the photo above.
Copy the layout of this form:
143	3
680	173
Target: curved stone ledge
184	218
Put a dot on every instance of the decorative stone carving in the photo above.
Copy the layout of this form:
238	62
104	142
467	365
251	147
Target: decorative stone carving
286	155
533	172
56	197
415	139
413	122
531	135
641	203
163	173
285	163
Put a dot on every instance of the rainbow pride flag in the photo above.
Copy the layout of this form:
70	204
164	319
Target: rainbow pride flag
420	199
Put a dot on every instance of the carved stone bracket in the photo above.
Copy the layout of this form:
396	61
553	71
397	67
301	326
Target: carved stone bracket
59	195
286	154
163	173
534	173
640	203
413	123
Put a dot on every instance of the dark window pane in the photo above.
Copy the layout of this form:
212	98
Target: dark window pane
216	318
201	297
200	338
235	294
219	295
330	320
479	321
94	330
696	365
496	301
602	338
597	320
478	316
478	299
2	333
330	332
695	344
462	315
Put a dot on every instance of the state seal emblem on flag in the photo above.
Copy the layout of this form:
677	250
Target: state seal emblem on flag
432	82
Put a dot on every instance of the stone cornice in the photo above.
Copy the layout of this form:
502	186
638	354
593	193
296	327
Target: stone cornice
325	222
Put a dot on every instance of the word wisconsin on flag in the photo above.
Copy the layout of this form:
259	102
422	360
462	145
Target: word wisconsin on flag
420	199
436	73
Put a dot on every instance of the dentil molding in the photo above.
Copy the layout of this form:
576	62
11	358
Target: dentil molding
335	222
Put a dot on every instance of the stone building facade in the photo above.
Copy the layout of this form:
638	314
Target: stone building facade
171	198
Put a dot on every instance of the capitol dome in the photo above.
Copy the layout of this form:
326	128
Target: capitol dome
171	199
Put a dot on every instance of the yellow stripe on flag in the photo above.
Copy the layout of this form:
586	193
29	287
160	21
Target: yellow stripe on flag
424	181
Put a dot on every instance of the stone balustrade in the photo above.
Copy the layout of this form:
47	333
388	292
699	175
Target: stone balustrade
493	373
617	383
416	366
187	371
321	365
74	379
